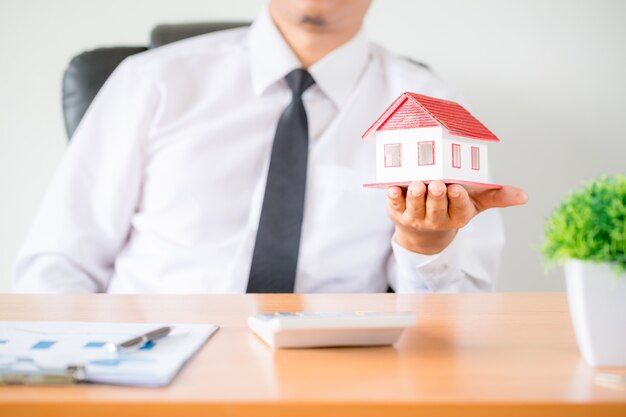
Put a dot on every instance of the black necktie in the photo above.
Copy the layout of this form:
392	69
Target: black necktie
275	256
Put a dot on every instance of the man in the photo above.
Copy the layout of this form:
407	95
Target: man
232	162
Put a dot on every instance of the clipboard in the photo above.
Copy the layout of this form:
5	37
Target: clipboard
53	353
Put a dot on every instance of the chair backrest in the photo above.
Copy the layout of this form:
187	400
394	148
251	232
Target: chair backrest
87	72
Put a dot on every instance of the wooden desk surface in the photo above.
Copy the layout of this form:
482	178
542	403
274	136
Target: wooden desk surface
471	354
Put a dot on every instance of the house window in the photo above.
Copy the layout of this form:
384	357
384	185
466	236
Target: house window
426	153
456	155
393	153
475	158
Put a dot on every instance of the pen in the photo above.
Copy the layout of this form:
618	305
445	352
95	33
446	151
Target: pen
138	341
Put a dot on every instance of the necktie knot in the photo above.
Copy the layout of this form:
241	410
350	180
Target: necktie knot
299	80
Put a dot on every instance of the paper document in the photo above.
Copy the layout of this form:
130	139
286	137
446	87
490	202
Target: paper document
45	347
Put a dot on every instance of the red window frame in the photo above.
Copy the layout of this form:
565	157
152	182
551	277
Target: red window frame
418	152
456	163
399	155
476	158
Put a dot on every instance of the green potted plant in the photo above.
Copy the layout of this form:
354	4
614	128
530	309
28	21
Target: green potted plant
587	233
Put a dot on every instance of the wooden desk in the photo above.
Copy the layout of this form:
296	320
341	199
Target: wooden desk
473	355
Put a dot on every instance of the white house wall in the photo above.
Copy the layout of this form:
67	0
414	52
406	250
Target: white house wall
466	172
410	170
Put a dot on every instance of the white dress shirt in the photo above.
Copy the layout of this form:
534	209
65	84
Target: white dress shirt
161	188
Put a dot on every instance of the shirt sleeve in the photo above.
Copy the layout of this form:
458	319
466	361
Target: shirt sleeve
469	264
86	213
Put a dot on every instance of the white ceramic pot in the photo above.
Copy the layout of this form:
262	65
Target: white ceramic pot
597	304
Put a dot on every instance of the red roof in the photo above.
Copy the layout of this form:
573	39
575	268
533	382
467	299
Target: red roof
412	110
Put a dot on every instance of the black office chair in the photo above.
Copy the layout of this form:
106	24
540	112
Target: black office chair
88	71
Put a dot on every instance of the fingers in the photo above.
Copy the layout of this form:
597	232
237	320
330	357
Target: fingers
395	202
437	205
424	227
416	201
461	209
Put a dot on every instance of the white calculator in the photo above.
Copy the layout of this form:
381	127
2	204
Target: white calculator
325	329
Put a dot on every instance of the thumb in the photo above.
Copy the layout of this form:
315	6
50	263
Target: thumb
503	197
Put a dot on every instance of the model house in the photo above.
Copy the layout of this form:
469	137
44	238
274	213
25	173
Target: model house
425	138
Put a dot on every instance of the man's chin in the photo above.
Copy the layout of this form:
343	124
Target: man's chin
313	21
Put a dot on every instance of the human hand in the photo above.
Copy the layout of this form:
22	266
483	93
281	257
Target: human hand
427	218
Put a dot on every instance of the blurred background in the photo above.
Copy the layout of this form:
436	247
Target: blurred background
547	76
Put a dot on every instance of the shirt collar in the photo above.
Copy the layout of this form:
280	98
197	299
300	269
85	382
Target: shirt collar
271	59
